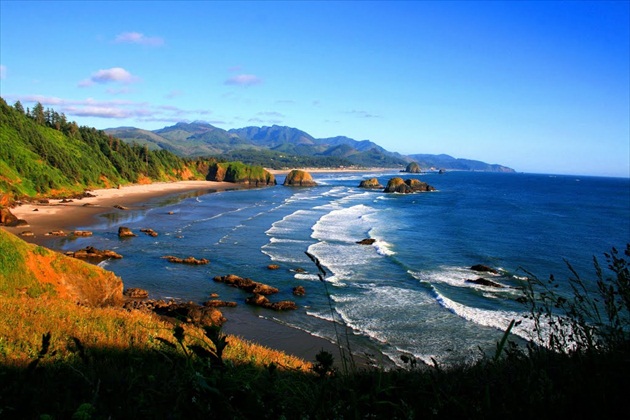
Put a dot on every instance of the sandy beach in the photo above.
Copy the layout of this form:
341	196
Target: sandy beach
43	218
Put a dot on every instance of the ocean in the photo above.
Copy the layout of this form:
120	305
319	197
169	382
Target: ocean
404	294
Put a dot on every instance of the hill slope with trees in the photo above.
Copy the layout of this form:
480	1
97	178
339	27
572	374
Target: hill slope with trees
43	154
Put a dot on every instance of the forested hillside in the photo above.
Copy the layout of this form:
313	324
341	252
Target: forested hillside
42	153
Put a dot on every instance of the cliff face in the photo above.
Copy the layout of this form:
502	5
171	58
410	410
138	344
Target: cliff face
35	271
240	173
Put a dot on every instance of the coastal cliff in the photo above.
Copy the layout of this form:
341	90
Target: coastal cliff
32	270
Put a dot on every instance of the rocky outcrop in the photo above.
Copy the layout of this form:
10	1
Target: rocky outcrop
299	291
136	293
125	232
398	185
240	173
189	260
370	183
149	232
485	282
263	302
368	241
7	218
484	268
189	312
299	178
82	233
91	253
246	284
215	303
413	168
273	266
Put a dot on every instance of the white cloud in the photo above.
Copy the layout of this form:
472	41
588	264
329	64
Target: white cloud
3	72
138	38
115	74
243	80
114	109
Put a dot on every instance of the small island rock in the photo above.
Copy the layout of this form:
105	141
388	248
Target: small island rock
299	178
370	183
125	232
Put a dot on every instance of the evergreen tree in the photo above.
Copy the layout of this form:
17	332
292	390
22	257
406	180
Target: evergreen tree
18	107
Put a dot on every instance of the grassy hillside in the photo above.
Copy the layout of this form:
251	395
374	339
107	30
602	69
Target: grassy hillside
63	360
43	154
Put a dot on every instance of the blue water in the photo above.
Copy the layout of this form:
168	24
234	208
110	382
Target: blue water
406	293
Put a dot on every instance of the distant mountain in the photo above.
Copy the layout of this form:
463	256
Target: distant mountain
184	139
449	162
280	146
273	136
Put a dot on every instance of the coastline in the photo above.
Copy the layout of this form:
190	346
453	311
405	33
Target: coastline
43	218
55	215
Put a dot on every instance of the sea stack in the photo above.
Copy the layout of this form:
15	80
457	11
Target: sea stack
370	183
398	185
413	168
299	178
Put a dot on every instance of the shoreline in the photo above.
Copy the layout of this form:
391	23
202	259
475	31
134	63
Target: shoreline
55	215
43	218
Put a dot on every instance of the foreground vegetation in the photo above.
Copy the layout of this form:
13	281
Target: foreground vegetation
60	360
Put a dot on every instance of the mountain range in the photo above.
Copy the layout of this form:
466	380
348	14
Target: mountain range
280	147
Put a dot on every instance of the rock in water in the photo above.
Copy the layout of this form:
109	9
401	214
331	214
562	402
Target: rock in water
370	183
125	232
299	178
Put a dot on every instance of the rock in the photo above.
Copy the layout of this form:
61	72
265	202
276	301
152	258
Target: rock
149	232
44	201
240	173
125	232
299	291
214	295
483	268
190	312
273	266
7	218
263	302
56	233
136	293
368	241
119	207
413	168
370	183
21	223
65	200
485	282
27	233
246	284
95	254
299	178
171	213
299	270
398	185
82	233
189	260
219	303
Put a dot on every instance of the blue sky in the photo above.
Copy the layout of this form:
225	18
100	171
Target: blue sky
538	86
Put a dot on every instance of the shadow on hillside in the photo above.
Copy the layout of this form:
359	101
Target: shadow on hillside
95	382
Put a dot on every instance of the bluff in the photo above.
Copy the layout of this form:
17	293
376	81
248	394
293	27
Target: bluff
240	173
35	271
